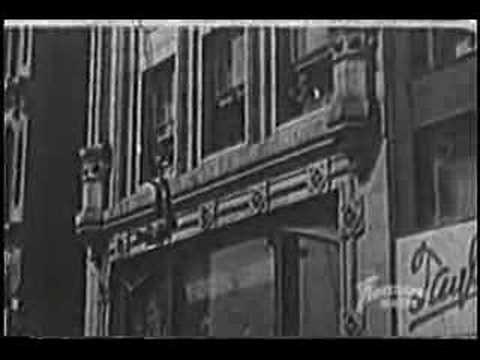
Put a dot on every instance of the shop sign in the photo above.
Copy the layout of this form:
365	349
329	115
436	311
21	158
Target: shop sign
443	263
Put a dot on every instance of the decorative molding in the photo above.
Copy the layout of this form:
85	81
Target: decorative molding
352	226
318	177
351	211
259	199
353	219
353	323
207	215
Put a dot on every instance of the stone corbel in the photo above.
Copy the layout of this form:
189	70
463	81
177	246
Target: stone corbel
352	70
95	167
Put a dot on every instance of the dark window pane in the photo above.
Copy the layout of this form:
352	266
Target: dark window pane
304	75
447	171
14	50
158	117
125	111
319	289
224	91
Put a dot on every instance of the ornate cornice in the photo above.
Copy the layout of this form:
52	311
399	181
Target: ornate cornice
252	200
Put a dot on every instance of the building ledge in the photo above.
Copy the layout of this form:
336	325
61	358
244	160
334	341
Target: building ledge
319	126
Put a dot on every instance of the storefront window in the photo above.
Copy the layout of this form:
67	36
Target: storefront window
319	289
230	293
140	297
149	309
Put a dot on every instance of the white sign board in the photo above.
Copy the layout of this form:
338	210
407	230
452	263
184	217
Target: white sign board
443	263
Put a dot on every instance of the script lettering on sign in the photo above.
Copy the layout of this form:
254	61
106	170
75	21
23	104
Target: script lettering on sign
443	264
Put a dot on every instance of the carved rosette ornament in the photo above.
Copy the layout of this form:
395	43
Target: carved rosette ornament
259	199
318	181
354	323
353	219
207	215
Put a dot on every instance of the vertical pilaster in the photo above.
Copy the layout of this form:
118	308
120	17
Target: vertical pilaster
131	111
138	130
190	114
247	63
262	105
273	78
91	79
199	89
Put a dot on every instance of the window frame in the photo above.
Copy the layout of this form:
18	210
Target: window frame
204	156
435	59
296	66
152	75
436	220
208	244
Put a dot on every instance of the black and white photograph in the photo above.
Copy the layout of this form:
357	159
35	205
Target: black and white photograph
305	179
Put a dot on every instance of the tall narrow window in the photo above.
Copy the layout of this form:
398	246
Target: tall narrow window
14	51
6	53
158	118
304	72
105	95
125	76
224	89
105	84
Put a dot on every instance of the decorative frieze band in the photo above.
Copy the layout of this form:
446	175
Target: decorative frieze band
263	197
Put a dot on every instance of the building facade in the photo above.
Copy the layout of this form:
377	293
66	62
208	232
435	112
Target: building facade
43	126
433	167
255	181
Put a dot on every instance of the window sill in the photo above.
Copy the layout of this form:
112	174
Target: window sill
221	170
320	54
222	152
315	112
